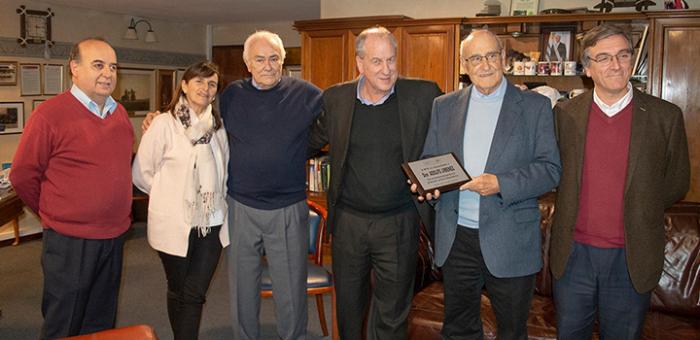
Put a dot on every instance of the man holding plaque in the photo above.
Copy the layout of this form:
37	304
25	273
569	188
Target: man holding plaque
625	157
488	232
373	124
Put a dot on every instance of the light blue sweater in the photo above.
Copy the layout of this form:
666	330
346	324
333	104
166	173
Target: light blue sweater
482	116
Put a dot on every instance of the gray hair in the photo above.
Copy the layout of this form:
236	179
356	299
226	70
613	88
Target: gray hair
598	33
377	31
272	38
470	36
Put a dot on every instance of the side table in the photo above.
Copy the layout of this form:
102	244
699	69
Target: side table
10	209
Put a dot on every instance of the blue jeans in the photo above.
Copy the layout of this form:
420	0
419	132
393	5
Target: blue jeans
597	280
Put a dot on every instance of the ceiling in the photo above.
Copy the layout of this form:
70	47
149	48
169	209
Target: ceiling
205	11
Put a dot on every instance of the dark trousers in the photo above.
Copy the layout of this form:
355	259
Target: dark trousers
188	282
464	276
597	280
387	246
81	284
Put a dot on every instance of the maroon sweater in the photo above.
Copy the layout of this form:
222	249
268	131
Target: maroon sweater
74	169
600	221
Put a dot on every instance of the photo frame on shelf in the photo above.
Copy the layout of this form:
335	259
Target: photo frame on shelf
11	117
30	79
524	7
166	85
136	90
53	79
36	102
8	73
557	44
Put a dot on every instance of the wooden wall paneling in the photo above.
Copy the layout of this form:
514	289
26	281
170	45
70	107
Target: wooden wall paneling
352	64
677	44
230	61
428	52
324	57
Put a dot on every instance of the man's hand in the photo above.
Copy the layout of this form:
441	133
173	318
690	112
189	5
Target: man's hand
484	185
429	196
147	121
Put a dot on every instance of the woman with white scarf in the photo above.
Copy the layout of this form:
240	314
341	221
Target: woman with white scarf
182	164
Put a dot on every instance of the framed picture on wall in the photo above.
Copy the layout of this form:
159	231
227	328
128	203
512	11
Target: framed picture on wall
136	90
11	117
166	88
36	102
180	74
30	79
557	45
53	79
8	73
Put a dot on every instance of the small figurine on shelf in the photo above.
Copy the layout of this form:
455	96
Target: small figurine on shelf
675	4
639	5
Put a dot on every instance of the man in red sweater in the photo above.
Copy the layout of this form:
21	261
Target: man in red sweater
624	158
72	168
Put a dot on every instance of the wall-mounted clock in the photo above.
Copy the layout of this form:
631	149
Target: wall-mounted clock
35	26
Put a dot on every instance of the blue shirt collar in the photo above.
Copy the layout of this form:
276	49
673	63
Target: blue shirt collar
255	84
499	93
110	103
381	100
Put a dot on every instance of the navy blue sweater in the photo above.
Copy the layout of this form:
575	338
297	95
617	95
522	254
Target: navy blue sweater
268	131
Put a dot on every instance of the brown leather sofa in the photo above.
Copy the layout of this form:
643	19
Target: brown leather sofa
675	303
137	332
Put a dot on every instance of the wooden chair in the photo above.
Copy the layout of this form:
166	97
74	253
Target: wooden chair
319	281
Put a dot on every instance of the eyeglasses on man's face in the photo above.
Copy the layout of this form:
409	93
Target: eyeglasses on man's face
604	59
491	57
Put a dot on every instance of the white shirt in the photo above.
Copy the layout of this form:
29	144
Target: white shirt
615	108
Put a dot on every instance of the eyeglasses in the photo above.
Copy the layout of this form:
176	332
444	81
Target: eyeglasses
491	57
624	57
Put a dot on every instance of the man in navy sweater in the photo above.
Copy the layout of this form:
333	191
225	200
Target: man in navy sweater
267	118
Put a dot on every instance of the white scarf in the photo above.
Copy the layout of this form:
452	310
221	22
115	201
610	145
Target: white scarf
203	196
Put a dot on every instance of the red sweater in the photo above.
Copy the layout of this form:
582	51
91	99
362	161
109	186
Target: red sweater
74	169
600	219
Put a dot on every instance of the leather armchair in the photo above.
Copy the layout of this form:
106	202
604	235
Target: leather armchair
675	307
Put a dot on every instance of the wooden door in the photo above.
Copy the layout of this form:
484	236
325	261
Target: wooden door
325	57
230	61
429	52
675	75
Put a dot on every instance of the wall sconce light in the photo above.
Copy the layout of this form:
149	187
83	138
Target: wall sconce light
131	33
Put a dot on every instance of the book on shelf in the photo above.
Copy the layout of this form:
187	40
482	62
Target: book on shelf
318	174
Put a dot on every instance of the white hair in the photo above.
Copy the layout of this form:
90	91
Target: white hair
272	38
